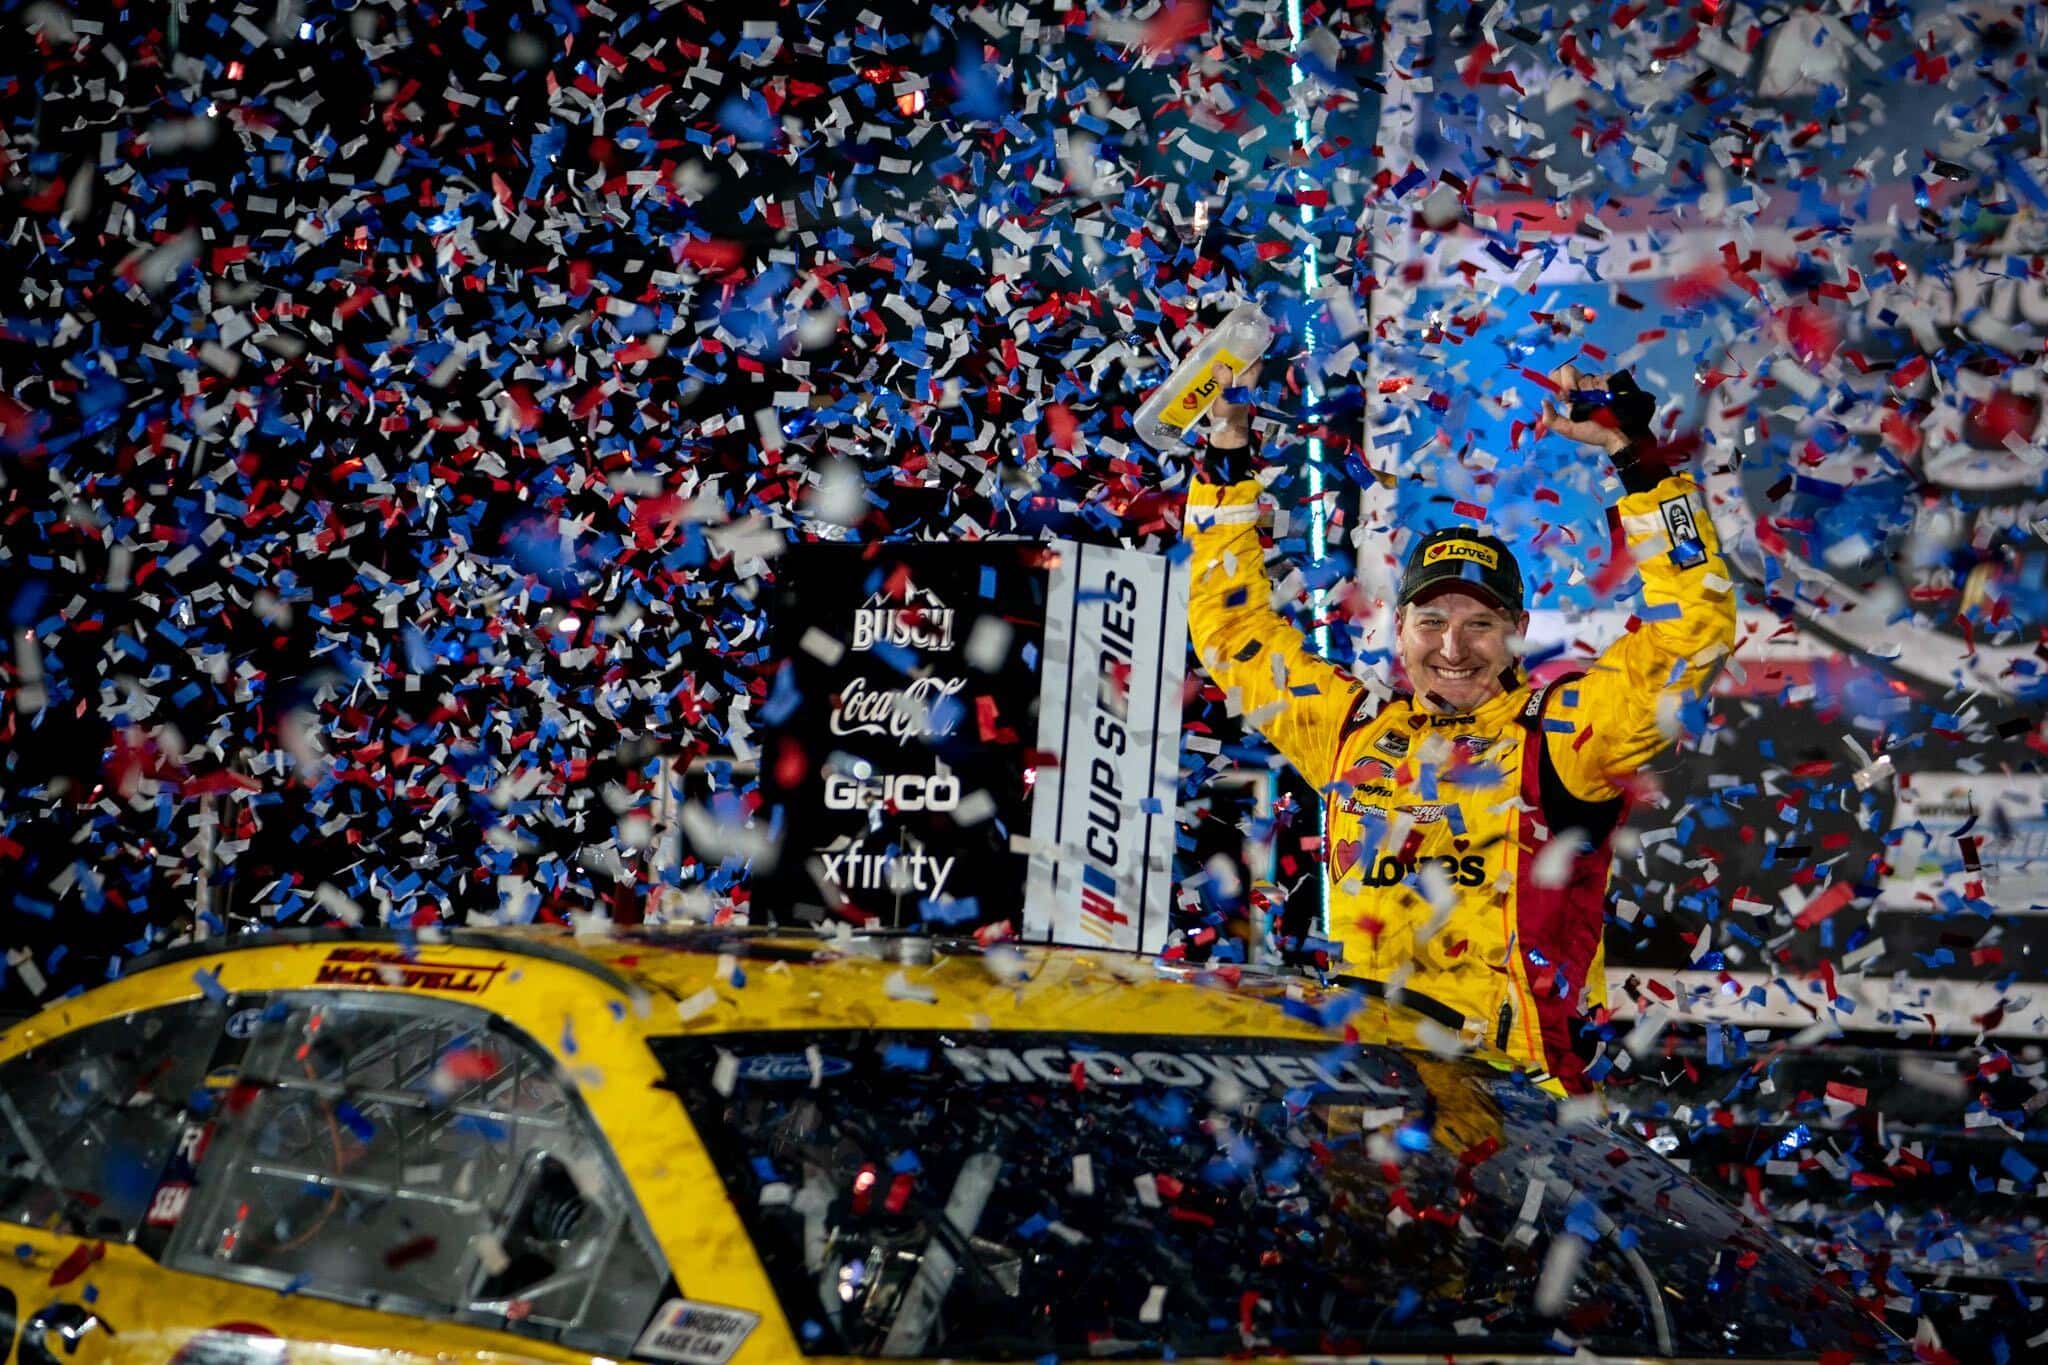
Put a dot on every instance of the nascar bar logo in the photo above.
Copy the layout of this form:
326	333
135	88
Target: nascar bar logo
922	621
1099	915
1461	549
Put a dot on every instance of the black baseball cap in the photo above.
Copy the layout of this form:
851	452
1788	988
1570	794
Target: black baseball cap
1461	555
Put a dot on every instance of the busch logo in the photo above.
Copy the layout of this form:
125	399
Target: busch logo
898	712
921	622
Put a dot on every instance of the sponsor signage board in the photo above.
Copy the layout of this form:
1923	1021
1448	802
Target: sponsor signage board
964	734
894	739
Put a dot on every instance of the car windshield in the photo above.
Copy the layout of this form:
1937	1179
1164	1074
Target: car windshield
1021	1196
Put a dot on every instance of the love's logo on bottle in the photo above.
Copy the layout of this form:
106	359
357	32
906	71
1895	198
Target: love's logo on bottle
1200	391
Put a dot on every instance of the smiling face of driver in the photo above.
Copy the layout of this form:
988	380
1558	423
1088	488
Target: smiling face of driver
1456	646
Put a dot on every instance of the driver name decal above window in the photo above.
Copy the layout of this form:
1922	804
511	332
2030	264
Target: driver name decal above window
358	966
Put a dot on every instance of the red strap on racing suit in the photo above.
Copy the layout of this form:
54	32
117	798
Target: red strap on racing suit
1559	927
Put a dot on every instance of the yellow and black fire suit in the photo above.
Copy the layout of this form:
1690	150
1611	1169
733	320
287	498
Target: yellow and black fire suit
1469	854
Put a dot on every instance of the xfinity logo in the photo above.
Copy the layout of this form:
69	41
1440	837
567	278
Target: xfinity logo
922	621
897	870
897	712
893	791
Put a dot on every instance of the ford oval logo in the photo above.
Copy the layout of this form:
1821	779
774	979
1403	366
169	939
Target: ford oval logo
790	1066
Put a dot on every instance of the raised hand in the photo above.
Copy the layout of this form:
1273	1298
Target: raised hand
1230	424
1592	431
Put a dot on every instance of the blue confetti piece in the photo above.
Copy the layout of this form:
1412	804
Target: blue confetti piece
355	1120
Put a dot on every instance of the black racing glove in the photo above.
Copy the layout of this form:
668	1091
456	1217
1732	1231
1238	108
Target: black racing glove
1635	464
1226	465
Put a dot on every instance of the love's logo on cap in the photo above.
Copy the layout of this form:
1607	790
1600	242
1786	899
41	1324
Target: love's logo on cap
1461	549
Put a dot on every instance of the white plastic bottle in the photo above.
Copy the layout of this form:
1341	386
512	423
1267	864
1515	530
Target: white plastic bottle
1167	419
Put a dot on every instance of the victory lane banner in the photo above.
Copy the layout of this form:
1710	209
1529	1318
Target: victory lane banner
934	701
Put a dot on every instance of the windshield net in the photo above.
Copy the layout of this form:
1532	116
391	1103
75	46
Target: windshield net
1023	1196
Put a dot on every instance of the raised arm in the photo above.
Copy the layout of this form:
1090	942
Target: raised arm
1294	697
1628	706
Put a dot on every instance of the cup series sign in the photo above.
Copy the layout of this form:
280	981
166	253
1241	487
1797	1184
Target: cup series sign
925	750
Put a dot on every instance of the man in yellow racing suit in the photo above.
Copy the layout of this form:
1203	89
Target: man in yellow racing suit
1468	819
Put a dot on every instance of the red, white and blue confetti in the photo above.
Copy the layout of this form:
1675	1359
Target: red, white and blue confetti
402	408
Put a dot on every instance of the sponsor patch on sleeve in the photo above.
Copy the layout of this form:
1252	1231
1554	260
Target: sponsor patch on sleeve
695	1333
1687	551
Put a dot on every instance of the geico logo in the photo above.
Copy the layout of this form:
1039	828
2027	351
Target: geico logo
1469	870
903	627
1461	549
904	791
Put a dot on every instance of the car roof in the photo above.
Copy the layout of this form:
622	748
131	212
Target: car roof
705	978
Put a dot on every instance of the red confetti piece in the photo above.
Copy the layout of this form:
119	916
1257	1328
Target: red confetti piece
1825	904
81	1259
1848	1094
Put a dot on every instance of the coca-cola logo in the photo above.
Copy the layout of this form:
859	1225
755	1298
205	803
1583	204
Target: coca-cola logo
898	712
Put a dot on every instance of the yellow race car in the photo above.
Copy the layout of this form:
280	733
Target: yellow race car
709	1146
